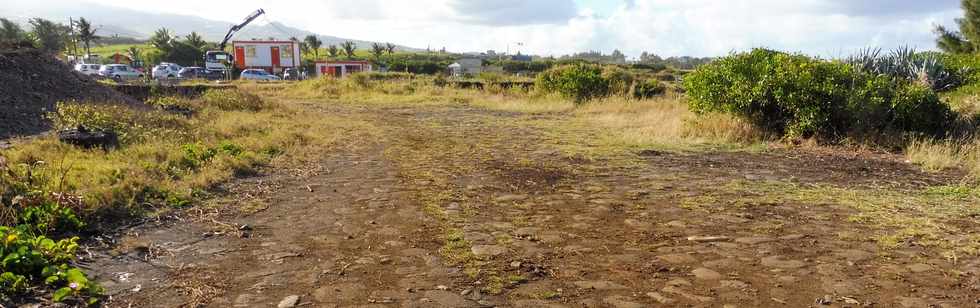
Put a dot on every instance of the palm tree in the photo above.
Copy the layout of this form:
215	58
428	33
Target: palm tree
86	33
135	54
10	32
163	40
333	51
314	44
378	50
195	40
349	49
390	48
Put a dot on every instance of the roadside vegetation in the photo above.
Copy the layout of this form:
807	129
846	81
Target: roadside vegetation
170	154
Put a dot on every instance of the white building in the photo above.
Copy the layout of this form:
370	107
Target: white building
272	56
466	67
340	69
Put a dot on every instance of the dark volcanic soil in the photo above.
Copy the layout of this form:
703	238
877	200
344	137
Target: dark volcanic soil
32	82
368	227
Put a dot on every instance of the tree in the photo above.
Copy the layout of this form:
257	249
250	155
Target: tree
967	39
134	53
195	40
49	36
378	50
163	40
390	48
349	49
333	51
86	33
10	32
314	44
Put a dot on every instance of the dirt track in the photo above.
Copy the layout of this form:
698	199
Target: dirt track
463	207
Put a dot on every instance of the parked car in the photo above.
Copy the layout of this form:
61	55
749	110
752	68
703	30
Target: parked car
291	74
196	72
120	72
166	70
88	69
257	74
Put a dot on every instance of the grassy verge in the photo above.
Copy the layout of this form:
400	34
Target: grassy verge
168	155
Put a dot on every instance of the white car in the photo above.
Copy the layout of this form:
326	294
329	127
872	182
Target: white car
120	72
257	74
87	69
166	70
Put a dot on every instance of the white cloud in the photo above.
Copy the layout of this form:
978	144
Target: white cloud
554	27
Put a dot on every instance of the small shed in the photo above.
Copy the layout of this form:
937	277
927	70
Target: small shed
340	69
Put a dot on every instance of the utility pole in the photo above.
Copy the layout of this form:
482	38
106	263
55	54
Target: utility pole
74	40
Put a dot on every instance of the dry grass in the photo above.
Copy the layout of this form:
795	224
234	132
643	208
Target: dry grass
158	168
665	122
940	155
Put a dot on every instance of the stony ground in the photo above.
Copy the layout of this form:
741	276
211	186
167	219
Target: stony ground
453	206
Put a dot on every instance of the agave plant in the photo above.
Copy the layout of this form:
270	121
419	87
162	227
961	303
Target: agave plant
906	63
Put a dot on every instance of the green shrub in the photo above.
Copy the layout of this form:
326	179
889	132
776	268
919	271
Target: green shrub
233	100
129	124
648	89
798	96
620	80
579	82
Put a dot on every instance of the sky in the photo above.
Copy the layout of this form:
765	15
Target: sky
828	28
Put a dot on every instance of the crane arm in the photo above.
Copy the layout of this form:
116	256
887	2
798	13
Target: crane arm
234	29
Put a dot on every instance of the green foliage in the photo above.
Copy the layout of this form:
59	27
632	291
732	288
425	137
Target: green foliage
620	80
313	43
349	49
579	82
233	100
197	154
648	89
170	48
929	68
129	124
11	32
967	38
48	35
798	96
28	257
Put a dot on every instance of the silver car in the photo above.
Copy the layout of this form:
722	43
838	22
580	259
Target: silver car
87	69
120	72
257	74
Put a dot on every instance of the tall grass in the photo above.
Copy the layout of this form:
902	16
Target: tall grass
938	155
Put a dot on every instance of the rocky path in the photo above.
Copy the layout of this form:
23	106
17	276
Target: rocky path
461	207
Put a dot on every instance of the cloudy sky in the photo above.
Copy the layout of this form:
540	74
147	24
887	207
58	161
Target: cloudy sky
552	27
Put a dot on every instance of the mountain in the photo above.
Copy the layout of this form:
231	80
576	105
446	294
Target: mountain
115	21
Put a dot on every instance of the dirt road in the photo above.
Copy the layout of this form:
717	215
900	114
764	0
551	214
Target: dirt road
453	206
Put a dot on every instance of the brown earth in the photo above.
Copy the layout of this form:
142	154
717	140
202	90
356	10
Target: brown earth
463	207
32	82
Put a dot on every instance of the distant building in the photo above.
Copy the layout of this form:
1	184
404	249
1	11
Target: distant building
272	56
466	67
341	69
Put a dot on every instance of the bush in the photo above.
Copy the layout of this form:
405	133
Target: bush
798	96
620	80
648	89
935	70
579	82
129	124
233	100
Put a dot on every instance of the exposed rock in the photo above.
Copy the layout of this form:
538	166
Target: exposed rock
777	262
621	302
599	285
678	258
488	250
706	274
660	298
289	301
708	239
920	268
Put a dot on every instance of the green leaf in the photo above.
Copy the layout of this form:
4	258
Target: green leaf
61	294
77	276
